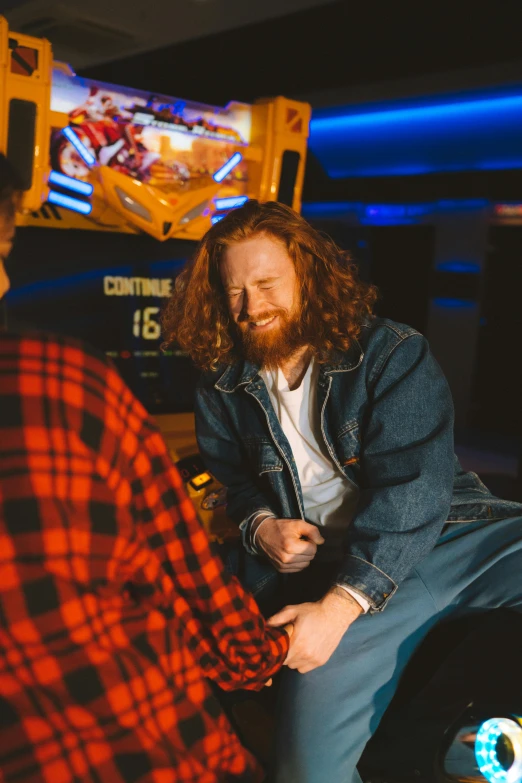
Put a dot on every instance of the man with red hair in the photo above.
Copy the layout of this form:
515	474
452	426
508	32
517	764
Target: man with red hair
114	612
333	431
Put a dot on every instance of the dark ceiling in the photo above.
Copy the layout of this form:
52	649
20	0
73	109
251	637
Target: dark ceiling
337	45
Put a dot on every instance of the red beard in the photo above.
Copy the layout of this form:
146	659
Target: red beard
271	348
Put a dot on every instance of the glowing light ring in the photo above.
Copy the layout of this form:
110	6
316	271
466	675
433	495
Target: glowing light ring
76	185
486	741
225	170
80	148
216	218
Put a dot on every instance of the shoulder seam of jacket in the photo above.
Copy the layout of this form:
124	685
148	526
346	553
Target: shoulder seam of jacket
381	363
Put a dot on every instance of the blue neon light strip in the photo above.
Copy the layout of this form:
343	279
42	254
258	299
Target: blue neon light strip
369	214
80	148
459	267
405	138
216	218
454	304
230	203
74	204
225	170
76	185
387	214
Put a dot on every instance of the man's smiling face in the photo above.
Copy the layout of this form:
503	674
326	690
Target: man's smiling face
261	287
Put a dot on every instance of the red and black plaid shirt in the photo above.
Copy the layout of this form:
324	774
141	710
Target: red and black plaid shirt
113	609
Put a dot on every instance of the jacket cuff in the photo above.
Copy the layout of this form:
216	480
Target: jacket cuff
361	600
367	580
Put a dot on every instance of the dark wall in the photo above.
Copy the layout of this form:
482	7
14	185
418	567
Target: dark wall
337	45
397	259
497	388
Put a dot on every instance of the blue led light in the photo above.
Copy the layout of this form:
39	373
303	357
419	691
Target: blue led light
454	304
455	205
478	132
225	170
459	267
394	214
216	218
231	202
486	743
388	214
74	204
80	148
455	109
76	185
370	214
328	209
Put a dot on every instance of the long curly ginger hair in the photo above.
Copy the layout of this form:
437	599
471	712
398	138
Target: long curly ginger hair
334	302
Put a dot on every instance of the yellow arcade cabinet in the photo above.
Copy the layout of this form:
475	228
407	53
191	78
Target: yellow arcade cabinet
113	175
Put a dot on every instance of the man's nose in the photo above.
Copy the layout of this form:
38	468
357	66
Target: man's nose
252	303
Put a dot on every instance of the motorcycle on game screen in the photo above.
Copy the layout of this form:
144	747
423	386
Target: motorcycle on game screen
114	144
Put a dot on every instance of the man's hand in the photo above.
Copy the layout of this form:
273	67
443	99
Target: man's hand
318	628
290	544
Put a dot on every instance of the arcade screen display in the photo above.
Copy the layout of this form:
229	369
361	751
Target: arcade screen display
107	289
165	142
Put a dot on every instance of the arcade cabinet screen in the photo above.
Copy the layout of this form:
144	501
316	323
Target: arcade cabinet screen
107	289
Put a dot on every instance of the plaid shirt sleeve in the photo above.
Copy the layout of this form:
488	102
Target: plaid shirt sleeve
223	627
113	610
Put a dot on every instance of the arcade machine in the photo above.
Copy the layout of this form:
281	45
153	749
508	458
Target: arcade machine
118	186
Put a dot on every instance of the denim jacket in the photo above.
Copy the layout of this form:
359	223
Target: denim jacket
387	421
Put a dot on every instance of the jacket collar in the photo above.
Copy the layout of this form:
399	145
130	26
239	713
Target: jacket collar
243	372
238	374
346	361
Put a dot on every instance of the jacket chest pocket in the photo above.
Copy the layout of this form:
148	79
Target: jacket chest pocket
263	456
348	446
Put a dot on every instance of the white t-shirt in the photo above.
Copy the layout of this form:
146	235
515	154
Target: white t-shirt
329	498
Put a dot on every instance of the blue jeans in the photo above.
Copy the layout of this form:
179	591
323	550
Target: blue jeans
326	716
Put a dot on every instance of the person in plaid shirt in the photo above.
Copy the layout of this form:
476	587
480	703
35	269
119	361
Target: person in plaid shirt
114	612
